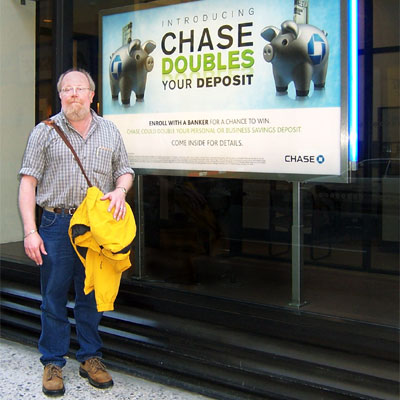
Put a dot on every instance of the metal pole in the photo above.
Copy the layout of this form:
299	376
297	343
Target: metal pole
297	249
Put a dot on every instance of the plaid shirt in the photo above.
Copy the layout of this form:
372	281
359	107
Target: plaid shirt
60	180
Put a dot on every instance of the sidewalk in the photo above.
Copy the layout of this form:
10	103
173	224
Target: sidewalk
21	378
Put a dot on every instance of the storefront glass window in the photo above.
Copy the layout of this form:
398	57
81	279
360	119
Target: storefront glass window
231	238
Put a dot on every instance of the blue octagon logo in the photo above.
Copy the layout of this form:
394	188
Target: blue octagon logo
116	67
316	49
320	159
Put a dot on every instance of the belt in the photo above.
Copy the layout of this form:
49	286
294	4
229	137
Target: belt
58	210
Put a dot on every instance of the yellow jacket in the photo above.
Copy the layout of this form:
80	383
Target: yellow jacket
103	245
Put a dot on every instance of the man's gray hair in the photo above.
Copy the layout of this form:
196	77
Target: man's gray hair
92	85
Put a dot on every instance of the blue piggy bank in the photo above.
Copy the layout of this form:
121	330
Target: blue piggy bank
298	53
128	70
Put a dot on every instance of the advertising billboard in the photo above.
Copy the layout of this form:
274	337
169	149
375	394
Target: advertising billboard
228	87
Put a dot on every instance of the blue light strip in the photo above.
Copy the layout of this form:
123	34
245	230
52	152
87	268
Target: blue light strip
353	80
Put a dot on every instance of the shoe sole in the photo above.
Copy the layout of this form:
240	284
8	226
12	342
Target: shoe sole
97	385
53	393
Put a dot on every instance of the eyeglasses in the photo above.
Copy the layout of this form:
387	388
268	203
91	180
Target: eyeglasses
75	89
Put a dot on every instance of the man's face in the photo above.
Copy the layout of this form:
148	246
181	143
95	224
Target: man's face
76	96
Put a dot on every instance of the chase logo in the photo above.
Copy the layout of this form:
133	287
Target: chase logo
306	159
316	49
116	67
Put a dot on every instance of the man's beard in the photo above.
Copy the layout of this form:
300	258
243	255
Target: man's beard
76	112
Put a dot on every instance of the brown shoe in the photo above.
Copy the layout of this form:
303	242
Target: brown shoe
96	372
53	381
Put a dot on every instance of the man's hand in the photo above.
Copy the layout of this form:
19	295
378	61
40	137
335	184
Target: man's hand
117	202
34	247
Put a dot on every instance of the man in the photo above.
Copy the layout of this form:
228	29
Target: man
51	178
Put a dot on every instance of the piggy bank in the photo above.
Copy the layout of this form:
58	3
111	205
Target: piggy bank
298	53
129	66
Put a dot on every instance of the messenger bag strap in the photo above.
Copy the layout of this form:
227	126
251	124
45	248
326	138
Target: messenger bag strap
50	122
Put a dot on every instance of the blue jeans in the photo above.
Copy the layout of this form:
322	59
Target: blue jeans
61	266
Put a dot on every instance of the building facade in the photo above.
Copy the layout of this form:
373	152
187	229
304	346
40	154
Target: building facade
213	302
